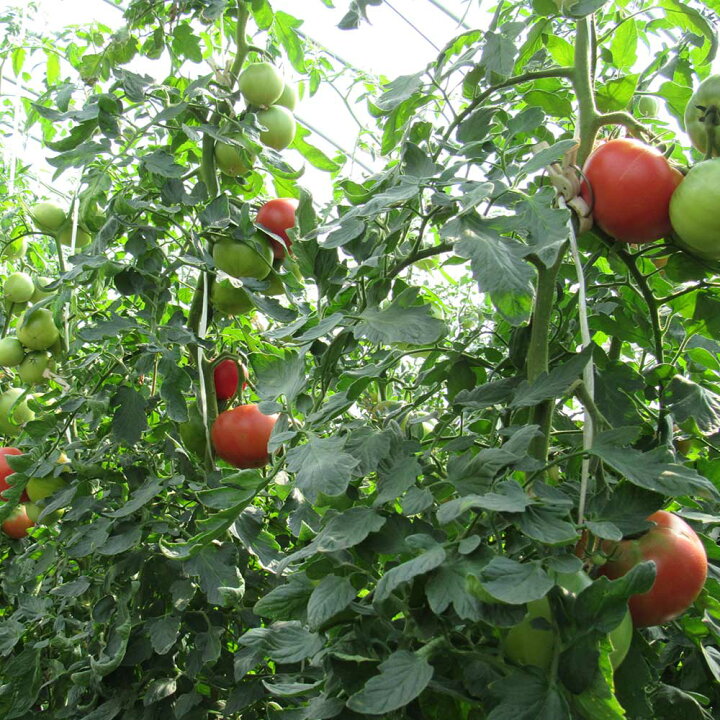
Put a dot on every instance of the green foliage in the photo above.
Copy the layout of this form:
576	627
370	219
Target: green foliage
426	356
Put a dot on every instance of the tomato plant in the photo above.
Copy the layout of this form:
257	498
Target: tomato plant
278	216
192	432
240	436
226	375
628	185
278	125
680	566
32	369
694	210
233	160
260	84
702	115
228	299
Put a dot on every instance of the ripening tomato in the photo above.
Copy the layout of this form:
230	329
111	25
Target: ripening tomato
704	107
5	469
240	436
18	524
680	567
227	376
277	216
628	185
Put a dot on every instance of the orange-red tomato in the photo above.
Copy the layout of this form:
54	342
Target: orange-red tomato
18	524
240	436
629	185
5	469
680	566
226	375
277	216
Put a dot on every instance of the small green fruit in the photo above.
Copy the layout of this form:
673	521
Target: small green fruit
280	127
38	330
18	287
288	98
260	84
11	352
14	250
13	416
41	488
82	237
229	300
32	368
48	217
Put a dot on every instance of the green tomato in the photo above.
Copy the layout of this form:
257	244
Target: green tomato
82	237
279	124
252	259
18	287
14	250
38	331
11	352
275	285
260	84
40	293
647	106
288	98
232	160
33	511
32	368
40	488
13	416
526	644
48	217
13	308
694	210
230	300
704	101
192	432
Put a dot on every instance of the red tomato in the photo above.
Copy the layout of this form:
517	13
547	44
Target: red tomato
277	216
631	188
240	436
680	565
5	469
17	525
227	376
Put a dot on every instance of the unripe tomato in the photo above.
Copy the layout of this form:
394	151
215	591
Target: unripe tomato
647	106
279	124
228	299
13	250
705	100
47	216
288	98
260	84
226	375
18	524
240	436
14	414
238	259
32	369
38	489
694	210
277	216
528	644
629	185
82	237
37	330
5	469
192	432
232	160
18	287
11	352
680	566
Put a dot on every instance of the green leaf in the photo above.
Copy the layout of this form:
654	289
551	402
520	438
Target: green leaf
554	384
528	697
218	574
399	90
288	601
690	401
158	690
401	322
186	43
163	632
403	676
285	27
322	466
651	470
616	94
508	496
497	266
513	582
316	157
406	571
348	529
332	595
289	642
280	376
547	525
623	45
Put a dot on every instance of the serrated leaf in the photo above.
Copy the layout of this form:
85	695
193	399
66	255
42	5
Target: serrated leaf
403	676
513	582
406	571
130	417
332	595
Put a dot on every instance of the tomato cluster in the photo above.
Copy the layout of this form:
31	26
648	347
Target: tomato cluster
637	196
